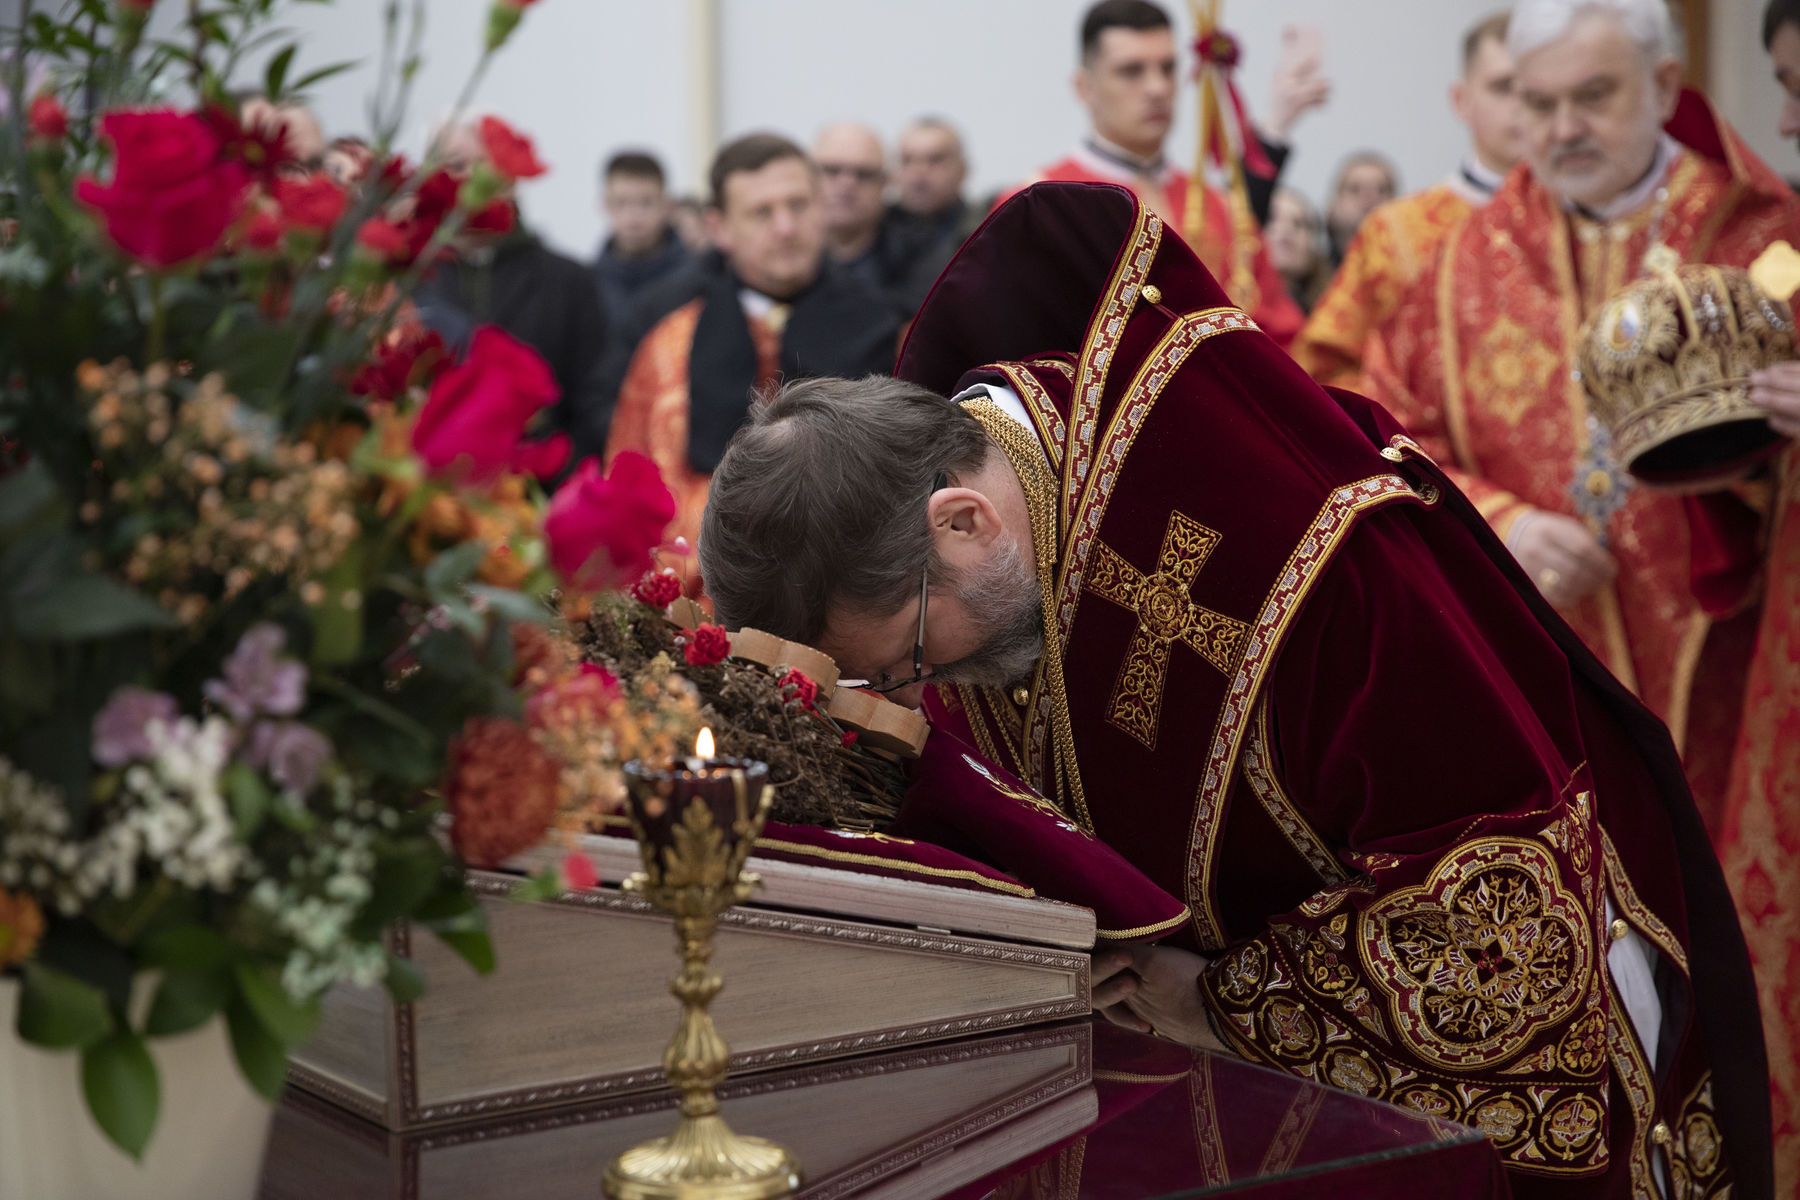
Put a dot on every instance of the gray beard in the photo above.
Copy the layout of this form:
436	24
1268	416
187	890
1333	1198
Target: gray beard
1007	591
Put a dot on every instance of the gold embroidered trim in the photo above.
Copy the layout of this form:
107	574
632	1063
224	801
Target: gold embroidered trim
1697	1159
1293	582
1174	922
1139	398
1129	1077
876	860
1296	1122
1635	910
1209	1143
1096	356
1265	783
1047	686
1635	1078
1051	431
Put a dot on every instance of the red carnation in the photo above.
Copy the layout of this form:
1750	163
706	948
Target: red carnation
47	119
497	216
261	147
805	693
501	790
383	240
508	151
311	204
170	199
707	645
578	871
478	409
602	530
408	356
658	589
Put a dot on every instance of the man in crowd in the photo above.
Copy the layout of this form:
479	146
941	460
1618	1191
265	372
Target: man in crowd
928	184
1781	38
1399	240
1480	357
769	306
1243	632
897	257
641	244
1126	81
1365	181
549	302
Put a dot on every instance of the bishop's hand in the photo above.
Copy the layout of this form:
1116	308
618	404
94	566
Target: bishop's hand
1777	389
1562	557
1154	989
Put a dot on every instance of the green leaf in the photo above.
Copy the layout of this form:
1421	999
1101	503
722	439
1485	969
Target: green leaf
405	982
405	874
24	493
474	947
85	605
446	573
185	948
338	628
59	1011
534	889
187	1000
323	73
249	796
286	1020
276	74
122	1091
515	606
262	1059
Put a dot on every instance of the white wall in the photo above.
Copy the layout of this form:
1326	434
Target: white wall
585	77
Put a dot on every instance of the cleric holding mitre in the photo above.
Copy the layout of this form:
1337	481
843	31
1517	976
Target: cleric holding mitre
1241	629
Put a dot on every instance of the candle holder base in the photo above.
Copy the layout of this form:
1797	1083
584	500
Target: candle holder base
703	1160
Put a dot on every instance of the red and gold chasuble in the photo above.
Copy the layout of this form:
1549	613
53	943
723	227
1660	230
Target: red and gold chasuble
1393	247
1759	837
651	416
1478	364
1291	676
1262	294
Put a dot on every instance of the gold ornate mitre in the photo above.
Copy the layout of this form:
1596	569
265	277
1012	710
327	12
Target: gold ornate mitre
1666	364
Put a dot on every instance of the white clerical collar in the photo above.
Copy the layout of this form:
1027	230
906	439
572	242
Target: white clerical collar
756	304
1473	181
1639	193
1107	158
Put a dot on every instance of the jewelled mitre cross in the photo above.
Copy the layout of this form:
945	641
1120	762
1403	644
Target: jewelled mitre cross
1166	614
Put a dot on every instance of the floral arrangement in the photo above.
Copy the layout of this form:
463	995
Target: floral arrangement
274	564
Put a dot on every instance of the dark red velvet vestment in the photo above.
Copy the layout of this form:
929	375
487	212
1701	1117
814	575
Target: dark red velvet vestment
1294	679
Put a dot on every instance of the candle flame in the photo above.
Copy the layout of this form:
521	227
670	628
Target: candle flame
703	745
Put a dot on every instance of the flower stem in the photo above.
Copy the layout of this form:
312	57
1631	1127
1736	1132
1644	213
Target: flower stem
159	320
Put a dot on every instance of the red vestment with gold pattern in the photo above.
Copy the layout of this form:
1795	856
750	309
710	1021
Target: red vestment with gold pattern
1292	676
1759	833
1393	247
1262	294
1479	366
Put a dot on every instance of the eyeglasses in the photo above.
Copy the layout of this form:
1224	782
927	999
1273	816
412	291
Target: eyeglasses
888	683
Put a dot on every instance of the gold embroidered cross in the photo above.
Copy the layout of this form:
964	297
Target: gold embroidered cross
1166	615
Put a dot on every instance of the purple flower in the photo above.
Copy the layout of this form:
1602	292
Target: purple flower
257	681
121	728
291	751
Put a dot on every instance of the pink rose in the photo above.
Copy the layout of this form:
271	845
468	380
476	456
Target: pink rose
603	529
171	199
472	422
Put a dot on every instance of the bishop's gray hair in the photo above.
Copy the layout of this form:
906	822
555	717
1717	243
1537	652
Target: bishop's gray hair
1536	23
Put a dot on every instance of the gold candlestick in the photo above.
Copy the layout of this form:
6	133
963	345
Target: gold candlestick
694	829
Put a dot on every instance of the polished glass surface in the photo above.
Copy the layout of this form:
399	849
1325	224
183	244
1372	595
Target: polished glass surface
1077	1111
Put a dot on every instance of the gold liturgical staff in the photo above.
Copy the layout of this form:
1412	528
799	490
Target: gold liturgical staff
695	825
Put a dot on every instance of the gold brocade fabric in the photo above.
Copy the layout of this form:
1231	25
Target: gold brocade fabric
1392	249
1478	363
651	417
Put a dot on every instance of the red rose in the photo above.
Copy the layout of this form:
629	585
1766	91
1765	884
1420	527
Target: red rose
408	356
707	645
805	693
261	233
170	199
658	589
47	119
311	204
383	240
544	458
601	530
510	152
478	409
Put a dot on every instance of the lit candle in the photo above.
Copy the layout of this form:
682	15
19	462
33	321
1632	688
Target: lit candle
732	793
